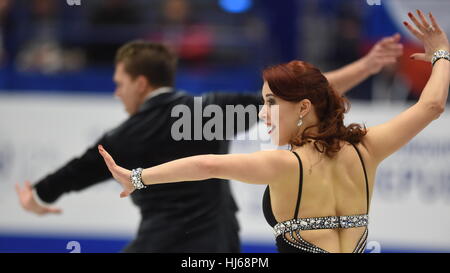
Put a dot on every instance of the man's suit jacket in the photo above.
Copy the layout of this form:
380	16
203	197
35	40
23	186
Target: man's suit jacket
194	216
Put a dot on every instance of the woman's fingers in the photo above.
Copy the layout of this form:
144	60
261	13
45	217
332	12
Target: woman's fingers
419	57
413	18
423	19
120	174
434	23
107	157
124	194
414	31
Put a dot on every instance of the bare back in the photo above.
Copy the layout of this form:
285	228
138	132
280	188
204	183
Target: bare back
331	187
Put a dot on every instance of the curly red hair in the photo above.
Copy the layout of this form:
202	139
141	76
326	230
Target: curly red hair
298	80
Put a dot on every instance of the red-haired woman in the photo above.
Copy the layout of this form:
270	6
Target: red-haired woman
318	193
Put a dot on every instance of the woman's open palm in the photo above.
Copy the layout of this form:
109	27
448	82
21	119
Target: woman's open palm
122	175
430	34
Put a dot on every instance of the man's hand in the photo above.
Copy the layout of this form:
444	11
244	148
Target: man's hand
29	203
383	53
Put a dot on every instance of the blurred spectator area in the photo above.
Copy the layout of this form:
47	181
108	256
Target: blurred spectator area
49	38
48	45
197	29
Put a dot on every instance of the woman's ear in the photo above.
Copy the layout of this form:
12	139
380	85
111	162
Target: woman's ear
304	107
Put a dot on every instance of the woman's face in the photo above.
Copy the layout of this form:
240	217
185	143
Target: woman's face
280	116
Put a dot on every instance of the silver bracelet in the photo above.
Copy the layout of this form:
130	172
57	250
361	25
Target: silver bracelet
440	54
136	179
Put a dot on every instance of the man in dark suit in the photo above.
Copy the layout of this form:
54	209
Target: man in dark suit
180	217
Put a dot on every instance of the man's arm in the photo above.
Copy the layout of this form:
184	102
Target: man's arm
77	174
31	202
383	53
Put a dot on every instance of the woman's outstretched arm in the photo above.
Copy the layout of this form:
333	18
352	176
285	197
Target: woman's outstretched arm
265	167
383	140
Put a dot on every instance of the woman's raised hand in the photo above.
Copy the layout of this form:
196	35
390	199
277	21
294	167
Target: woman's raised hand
122	175
429	33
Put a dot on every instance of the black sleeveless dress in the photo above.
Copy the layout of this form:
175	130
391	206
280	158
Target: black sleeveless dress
284	231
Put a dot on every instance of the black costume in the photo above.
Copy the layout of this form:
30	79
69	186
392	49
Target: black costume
284	232
178	217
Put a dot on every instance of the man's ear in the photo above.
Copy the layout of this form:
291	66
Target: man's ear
142	84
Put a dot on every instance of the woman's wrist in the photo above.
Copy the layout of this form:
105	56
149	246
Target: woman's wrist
136	179
440	54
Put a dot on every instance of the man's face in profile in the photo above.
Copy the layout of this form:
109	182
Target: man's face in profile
127	89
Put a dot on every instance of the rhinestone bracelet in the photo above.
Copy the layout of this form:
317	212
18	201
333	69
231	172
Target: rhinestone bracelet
440	54
136	179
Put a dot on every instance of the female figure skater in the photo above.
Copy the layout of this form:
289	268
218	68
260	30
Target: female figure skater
318	193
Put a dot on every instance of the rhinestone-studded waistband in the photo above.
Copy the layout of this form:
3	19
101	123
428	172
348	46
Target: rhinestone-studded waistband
328	222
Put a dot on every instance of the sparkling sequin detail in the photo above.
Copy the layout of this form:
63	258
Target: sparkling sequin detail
329	222
300	243
287	233
294	226
136	179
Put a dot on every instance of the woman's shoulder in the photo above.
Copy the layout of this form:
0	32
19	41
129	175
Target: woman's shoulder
346	149
281	158
356	152
277	154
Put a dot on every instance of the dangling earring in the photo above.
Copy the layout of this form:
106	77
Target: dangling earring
300	122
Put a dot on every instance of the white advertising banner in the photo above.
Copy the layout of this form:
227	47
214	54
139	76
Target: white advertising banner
410	208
